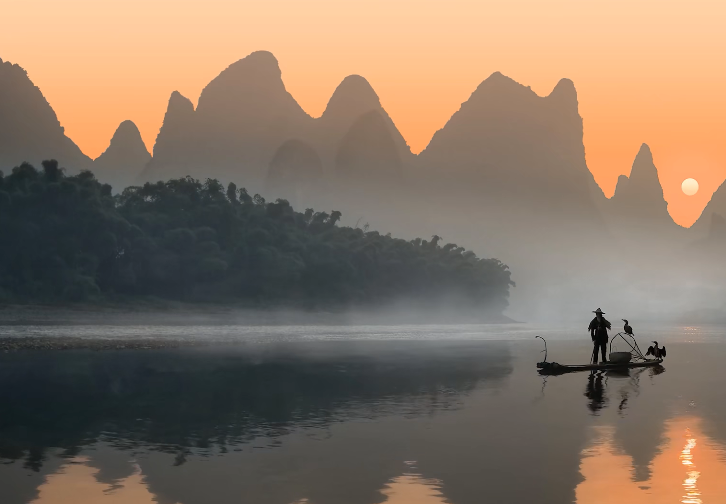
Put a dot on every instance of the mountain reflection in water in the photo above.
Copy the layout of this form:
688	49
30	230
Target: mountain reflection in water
360	422
690	468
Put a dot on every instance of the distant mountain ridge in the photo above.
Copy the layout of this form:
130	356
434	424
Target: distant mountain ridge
242	118
29	128
638	206
505	145
715	207
353	98
124	159
641	193
245	115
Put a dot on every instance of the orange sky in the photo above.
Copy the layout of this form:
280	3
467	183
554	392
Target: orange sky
646	71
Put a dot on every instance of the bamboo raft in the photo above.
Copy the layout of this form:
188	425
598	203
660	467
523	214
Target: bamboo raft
556	368
639	360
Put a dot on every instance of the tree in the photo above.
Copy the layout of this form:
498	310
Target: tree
68	239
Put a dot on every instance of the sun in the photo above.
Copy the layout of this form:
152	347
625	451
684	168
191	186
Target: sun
689	187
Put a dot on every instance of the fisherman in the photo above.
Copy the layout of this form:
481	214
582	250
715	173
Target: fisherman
599	332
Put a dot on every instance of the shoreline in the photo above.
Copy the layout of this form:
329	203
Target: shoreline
45	343
175	314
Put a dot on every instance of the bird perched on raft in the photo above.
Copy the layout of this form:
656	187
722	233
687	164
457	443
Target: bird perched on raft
627	328
656	352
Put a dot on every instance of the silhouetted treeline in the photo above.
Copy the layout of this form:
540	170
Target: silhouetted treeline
66	238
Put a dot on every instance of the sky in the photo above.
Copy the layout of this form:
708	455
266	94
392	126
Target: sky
645	71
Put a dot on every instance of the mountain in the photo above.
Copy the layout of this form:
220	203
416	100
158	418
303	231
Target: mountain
29	128
716	235
507	148
705	256
174	144
717	205
295	173
367	176
638	207
125	158
242	118
353	98
718	228
640	196
368	153
352	158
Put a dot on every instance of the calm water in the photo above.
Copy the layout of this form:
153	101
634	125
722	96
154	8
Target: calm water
360	415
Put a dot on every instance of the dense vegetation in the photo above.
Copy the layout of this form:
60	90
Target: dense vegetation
67	238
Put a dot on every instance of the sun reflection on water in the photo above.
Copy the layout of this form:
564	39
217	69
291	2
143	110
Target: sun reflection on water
676	474
412	488
693	496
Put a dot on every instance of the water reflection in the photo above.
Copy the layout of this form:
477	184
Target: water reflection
209	401
361	423
693	495
595	392
628	383
77	483
690	469
412	488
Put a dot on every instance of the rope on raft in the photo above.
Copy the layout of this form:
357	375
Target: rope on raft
635	349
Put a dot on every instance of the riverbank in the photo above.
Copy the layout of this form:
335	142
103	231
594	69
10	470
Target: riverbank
164	313
44	343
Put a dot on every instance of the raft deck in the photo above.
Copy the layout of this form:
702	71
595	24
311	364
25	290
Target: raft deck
555	368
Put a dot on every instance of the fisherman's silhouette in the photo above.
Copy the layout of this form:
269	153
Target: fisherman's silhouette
595	392
599	332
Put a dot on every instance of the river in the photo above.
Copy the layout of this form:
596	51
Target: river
360	415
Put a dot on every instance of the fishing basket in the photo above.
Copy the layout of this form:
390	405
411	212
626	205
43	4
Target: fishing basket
620	357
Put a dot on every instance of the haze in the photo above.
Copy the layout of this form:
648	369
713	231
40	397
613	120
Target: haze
645	72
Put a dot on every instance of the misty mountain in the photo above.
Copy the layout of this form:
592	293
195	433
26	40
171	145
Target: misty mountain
368	182
242	118
124	159
507	147
29	128
174	143
368	153
507	174
353	98
638	205
714	243
717	206
295	173
363	156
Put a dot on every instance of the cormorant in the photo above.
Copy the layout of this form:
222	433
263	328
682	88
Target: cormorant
627	328
656	352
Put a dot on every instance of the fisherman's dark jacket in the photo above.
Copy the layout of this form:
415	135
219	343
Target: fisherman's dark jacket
599	329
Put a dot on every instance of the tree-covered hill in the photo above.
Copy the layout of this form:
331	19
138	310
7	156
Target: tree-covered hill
66	238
